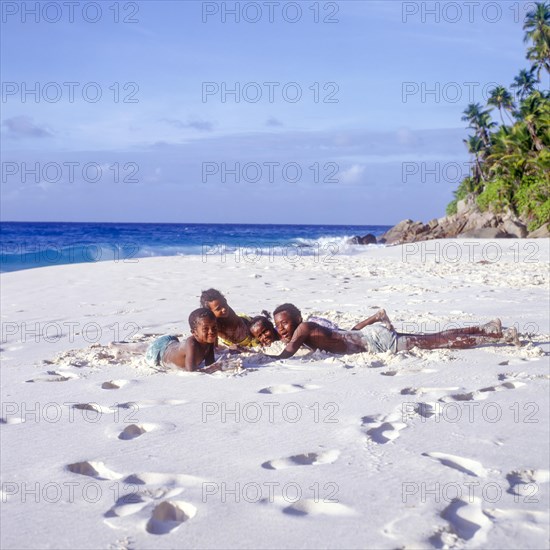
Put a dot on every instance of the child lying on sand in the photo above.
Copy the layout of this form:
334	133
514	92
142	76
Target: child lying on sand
168	351
378	338
264	331
233	329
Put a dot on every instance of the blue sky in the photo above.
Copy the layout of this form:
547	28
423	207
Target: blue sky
335	121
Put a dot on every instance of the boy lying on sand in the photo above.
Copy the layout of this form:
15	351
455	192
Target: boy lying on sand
168	351
233	329
378	338
263	330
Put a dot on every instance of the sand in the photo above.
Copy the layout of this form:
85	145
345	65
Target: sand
423	449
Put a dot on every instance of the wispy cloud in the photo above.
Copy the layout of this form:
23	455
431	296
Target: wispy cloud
273	122
22	126
352	174
195	123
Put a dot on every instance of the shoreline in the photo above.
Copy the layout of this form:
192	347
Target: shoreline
322	251
29	245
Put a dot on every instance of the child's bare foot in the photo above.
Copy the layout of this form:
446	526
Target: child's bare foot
510	336
493	327
383	317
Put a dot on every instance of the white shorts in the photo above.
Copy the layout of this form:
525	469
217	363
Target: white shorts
378	339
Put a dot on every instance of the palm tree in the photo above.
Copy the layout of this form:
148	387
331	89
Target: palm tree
479	120
540	56
476	148
525	82
534	111
537	30
511	153
512	163
502	99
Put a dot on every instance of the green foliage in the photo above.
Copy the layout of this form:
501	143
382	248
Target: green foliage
466	186
451	208
533	200
512	163
496	196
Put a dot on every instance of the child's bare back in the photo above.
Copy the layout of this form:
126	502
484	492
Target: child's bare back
188	355
168	351
316	336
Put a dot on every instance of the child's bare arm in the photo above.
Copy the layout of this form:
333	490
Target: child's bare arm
224	363
299	337
212	368
209	356
193	354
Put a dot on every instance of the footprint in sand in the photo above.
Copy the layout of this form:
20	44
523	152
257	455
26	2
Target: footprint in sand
164	480
135	430
113	384
146	489
384	428
421	390
426	409
54	376
306	459
169	515
12	420
96	407
135	501
525	483
513	376
311	507
146	403
387	431
133	406
97	470
288	388
466	519
465	465
510	385
525	517
127	505
483	393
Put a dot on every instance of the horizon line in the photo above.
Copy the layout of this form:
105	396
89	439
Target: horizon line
203	223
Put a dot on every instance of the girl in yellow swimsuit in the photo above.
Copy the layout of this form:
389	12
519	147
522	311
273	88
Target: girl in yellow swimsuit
233	329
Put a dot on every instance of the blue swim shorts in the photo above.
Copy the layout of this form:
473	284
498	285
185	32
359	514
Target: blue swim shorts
156	350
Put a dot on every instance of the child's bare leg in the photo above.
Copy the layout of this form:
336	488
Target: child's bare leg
459	338
492	329
379	317
134	347
510	336
406	342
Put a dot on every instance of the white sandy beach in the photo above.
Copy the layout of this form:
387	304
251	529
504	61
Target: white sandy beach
424	449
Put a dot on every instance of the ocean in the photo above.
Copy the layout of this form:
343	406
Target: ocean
26	245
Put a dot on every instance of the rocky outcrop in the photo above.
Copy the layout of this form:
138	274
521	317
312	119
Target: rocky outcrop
541	232
369	238
468	222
